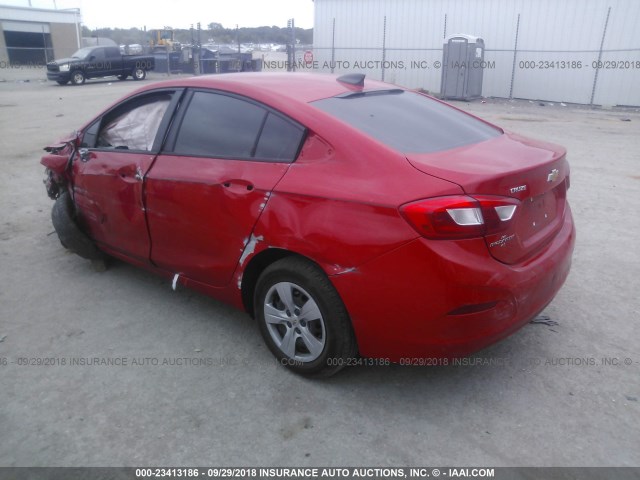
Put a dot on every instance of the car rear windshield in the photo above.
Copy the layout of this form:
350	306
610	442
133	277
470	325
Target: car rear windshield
407	121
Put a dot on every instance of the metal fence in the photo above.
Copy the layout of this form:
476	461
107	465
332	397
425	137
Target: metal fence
595	73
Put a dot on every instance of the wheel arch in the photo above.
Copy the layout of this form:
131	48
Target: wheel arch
262	259
257	264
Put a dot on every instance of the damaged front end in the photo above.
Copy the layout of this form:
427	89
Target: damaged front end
58	162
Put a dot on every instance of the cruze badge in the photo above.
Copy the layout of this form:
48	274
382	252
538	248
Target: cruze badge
503	240
521	188
553	176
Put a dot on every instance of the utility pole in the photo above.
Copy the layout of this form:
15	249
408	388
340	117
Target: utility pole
199	45
194	52
291	48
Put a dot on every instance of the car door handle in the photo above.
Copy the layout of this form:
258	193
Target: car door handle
85	155
238	186
128	174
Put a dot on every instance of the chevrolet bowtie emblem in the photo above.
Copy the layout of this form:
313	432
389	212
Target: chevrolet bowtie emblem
553	175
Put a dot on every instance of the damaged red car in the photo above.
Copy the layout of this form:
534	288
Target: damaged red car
350	218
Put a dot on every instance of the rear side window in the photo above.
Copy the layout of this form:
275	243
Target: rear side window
219	126
279	139
112	52
408	122
223	126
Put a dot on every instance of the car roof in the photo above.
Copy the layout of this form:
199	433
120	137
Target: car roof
296	87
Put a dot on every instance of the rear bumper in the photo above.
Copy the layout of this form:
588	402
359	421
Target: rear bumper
448	299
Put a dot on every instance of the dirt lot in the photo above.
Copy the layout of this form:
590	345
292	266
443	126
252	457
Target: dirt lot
560	395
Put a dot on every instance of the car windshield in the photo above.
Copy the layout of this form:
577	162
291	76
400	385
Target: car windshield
407	121
82	53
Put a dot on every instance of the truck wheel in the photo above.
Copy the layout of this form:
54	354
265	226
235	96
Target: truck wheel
62	82
139	73
77	77
122	77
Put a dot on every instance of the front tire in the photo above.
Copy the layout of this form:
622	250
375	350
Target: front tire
302	318
70	235
139	73
122	77
77	77
62	82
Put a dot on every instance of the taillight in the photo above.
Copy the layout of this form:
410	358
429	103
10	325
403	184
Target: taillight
460	216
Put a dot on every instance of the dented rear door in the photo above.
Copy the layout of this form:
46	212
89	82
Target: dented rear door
204	195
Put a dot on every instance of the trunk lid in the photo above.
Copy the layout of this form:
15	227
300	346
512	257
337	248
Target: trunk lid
536	173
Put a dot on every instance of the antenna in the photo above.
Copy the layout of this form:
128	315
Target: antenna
355	79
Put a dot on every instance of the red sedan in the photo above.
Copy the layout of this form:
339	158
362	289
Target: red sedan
347	216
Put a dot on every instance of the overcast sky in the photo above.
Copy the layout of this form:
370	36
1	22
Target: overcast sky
182	13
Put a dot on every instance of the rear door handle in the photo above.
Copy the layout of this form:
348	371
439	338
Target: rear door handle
238	186
128	174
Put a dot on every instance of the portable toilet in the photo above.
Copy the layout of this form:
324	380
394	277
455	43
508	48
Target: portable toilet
462	67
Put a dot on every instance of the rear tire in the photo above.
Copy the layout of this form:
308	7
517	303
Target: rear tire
302	318
139	73
77	77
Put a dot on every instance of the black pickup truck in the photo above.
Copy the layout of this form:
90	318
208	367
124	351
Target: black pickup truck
95	62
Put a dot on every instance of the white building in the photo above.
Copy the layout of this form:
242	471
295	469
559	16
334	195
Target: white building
579	51
30	37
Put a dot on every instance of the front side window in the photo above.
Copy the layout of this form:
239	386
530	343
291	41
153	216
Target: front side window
97	55
134	126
